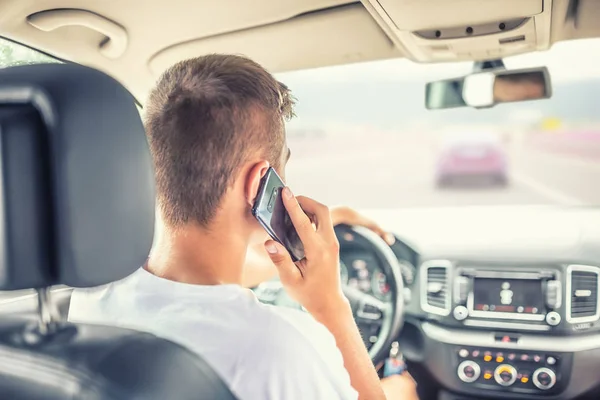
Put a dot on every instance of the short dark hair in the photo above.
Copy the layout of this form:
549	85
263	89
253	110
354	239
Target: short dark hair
204	119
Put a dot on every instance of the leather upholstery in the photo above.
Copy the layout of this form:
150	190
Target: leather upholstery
78	187
95	362
77	208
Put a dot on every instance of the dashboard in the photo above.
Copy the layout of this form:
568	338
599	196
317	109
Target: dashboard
360	269
514	328
505	302
500	303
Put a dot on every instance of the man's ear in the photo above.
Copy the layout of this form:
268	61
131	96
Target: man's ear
253	177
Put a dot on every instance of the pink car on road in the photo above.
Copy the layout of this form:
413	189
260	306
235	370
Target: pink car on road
472	158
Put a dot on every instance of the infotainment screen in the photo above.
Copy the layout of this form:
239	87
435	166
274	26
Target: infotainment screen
523	296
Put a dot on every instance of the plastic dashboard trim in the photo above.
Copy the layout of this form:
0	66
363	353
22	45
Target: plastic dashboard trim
582	268
525	342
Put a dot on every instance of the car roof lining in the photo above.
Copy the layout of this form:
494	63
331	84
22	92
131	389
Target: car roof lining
283	36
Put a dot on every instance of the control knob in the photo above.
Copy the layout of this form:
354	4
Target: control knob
505	375
544	378
468	371
553	318
460	313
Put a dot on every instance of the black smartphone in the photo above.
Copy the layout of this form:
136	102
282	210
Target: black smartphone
270	212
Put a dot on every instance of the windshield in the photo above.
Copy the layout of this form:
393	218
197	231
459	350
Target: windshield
363	137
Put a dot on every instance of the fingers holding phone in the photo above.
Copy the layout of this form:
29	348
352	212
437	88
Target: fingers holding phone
308	216
313	281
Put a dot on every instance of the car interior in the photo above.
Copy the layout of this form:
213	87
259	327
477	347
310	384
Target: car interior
490	294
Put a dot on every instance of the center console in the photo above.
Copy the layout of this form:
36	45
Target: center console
521	372
506	330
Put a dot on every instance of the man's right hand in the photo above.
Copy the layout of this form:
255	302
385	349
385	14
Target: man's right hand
313	281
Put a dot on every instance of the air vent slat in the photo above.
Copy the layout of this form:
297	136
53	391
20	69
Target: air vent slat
584	294
437	284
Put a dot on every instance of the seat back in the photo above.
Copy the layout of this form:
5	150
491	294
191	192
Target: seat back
95	362
77	209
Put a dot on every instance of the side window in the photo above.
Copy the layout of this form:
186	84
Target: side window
12	54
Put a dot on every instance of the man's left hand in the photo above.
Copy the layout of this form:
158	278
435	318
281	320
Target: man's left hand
349	216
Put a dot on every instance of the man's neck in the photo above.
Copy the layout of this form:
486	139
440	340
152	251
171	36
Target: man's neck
199	256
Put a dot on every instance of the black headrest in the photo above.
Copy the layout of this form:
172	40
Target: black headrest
76	179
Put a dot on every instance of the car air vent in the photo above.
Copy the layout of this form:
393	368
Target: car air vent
435	288
582	288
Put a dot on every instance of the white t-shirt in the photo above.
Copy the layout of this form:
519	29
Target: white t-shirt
262	352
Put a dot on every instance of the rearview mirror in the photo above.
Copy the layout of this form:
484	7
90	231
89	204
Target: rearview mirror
488	88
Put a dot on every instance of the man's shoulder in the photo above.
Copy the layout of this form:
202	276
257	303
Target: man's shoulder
86	302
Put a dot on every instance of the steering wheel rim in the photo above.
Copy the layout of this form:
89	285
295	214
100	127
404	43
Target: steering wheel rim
392	314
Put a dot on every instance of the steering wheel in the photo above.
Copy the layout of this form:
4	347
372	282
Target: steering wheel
374	317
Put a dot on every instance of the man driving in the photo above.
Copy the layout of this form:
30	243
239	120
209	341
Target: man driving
215	124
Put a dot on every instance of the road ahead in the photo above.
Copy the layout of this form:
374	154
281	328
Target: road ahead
392	172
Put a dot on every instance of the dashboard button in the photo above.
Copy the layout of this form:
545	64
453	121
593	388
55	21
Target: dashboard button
463	353
505	375
468	371
475	353
460	313
551	360
544	378
553	318
487	356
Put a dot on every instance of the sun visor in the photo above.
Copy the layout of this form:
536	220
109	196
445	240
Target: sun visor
341	35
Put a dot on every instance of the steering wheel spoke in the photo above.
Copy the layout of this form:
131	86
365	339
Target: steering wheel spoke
370	314
366	308
371	310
